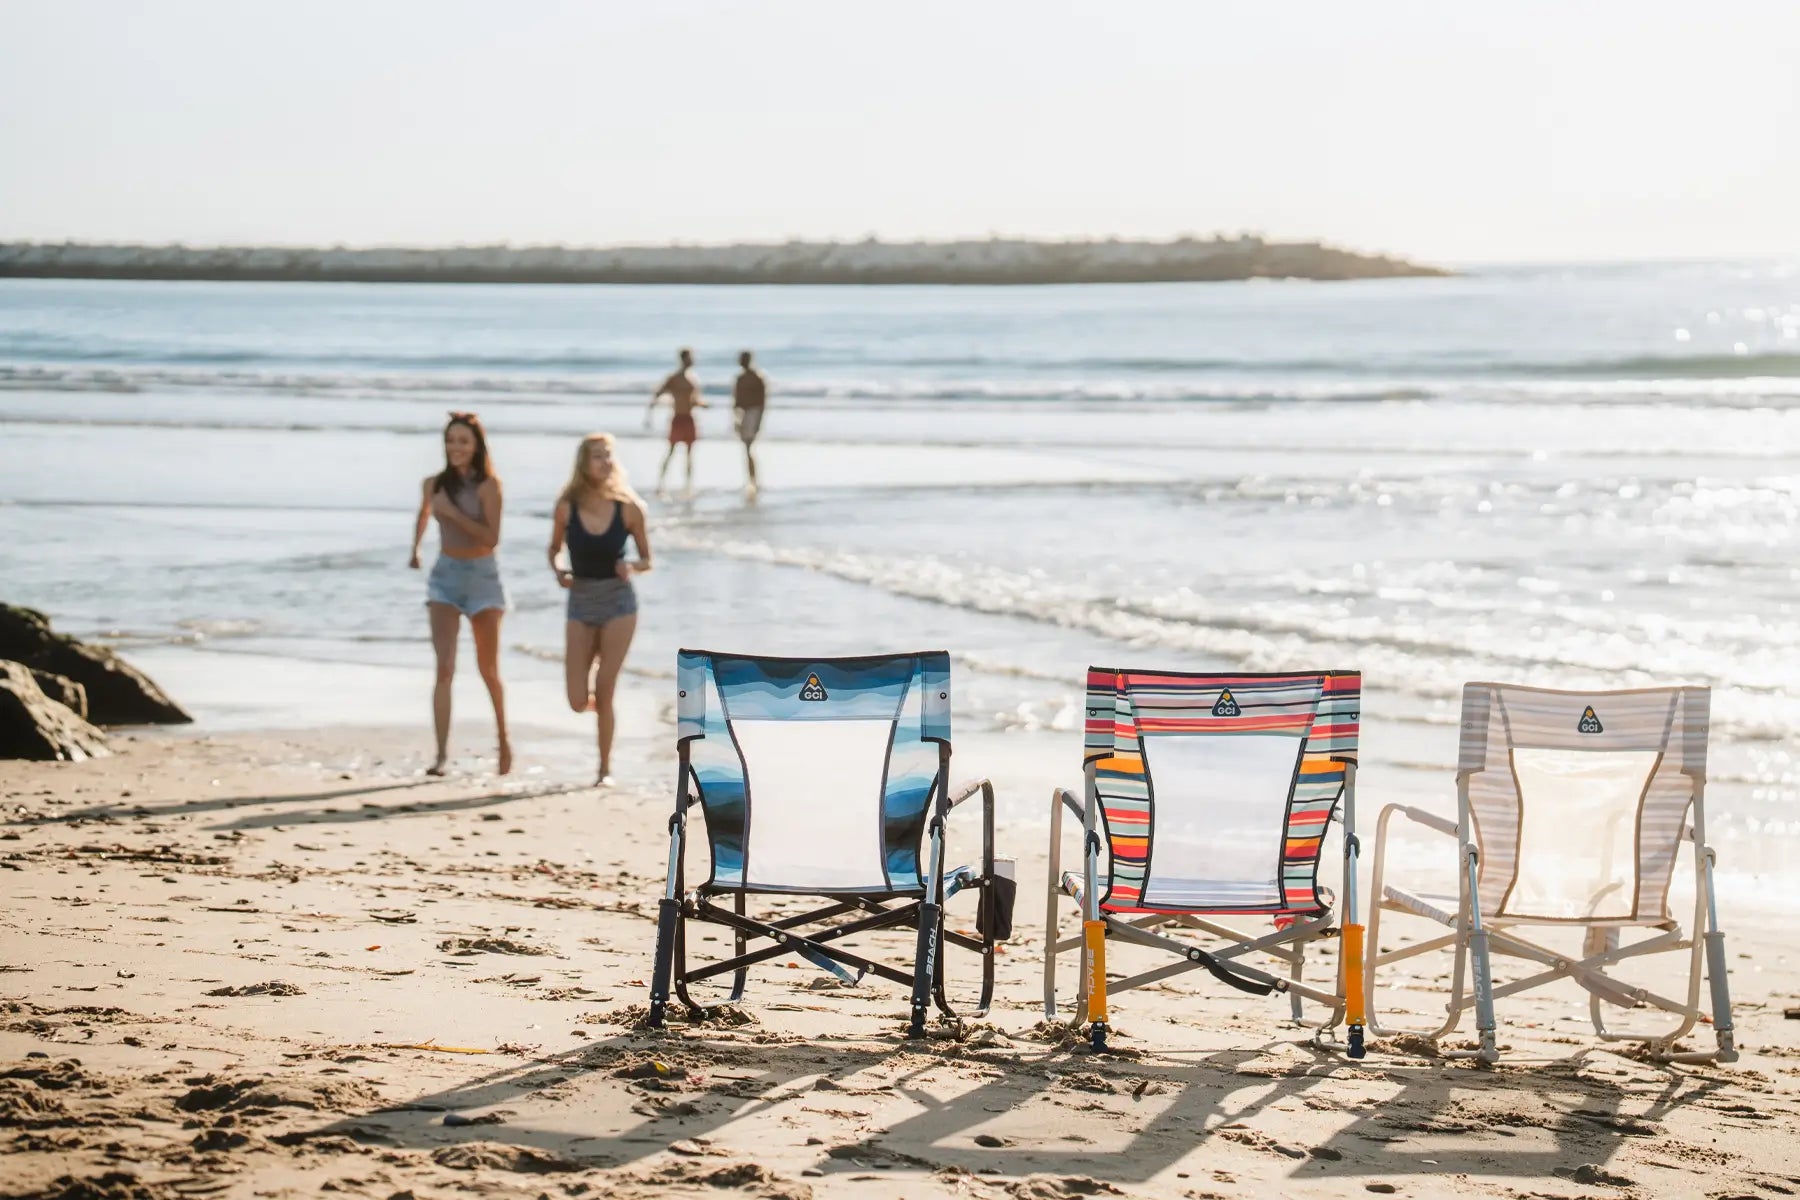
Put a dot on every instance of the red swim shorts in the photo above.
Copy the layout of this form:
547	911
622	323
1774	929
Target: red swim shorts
682	430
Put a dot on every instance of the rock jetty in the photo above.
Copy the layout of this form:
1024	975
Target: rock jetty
993	261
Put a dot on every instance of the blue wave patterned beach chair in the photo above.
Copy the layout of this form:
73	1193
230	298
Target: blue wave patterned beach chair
1571	810
1211	796
830	778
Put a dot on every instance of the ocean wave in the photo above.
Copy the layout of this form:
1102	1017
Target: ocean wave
1428	665
1563	389
69	354
1772	365
539	388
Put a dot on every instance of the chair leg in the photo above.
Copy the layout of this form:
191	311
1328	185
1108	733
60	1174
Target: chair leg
1483	984
668	925
1723	1029
1296	967
1052	888
1716	977
924	967
1480	961
668	920
1350	957
1094	941
1082	974
939	995
740	944
931	911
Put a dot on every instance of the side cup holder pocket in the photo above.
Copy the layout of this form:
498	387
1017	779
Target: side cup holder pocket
995	919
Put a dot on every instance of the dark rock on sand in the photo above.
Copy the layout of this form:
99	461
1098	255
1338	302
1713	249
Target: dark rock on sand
34	726
64	691
117	693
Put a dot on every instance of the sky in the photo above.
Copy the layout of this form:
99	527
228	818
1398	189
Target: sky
1453	132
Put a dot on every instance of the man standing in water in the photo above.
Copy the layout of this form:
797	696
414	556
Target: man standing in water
683	392
748	396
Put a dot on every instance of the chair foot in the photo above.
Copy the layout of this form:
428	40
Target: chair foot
655	1018
1097	1037
1354	1042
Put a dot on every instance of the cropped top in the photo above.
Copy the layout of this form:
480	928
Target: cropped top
467	498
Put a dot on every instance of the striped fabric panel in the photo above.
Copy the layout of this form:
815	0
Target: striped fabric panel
1499	718
1125	801
1316	795
1325	709
1335	729
1103	714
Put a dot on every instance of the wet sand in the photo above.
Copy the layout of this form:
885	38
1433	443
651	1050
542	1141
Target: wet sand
289	965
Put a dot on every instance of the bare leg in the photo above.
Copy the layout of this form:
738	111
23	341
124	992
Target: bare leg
615	640
445	621
580	644
688	460
486	627
663	474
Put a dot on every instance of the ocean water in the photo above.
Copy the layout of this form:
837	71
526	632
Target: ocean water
1567	476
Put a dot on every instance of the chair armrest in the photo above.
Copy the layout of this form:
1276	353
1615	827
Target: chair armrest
964	791
1429	820
1066	798
985	789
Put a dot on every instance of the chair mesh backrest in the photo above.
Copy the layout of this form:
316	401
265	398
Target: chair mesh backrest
1217	789
814	775
1578	799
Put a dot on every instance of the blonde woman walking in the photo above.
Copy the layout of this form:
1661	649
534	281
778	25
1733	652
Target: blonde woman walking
595	516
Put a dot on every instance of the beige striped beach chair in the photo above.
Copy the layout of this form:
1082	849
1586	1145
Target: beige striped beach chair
1571	810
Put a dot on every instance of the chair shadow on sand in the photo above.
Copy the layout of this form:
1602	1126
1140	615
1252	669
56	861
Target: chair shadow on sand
121	808
450	804
1119	1119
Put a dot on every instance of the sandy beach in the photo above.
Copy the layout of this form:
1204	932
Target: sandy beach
290	964
437	440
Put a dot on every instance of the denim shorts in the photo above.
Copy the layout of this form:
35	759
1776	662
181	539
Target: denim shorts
470	585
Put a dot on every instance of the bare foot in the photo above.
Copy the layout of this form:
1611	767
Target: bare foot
436	768
605	779
505	758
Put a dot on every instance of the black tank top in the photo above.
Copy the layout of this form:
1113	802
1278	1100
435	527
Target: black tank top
595	555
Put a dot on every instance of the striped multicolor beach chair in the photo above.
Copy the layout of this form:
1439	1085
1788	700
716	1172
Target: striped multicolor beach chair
1210	796
823	777
1571	810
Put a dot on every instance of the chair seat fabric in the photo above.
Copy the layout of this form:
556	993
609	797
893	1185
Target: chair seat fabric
1208	898
1436	906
